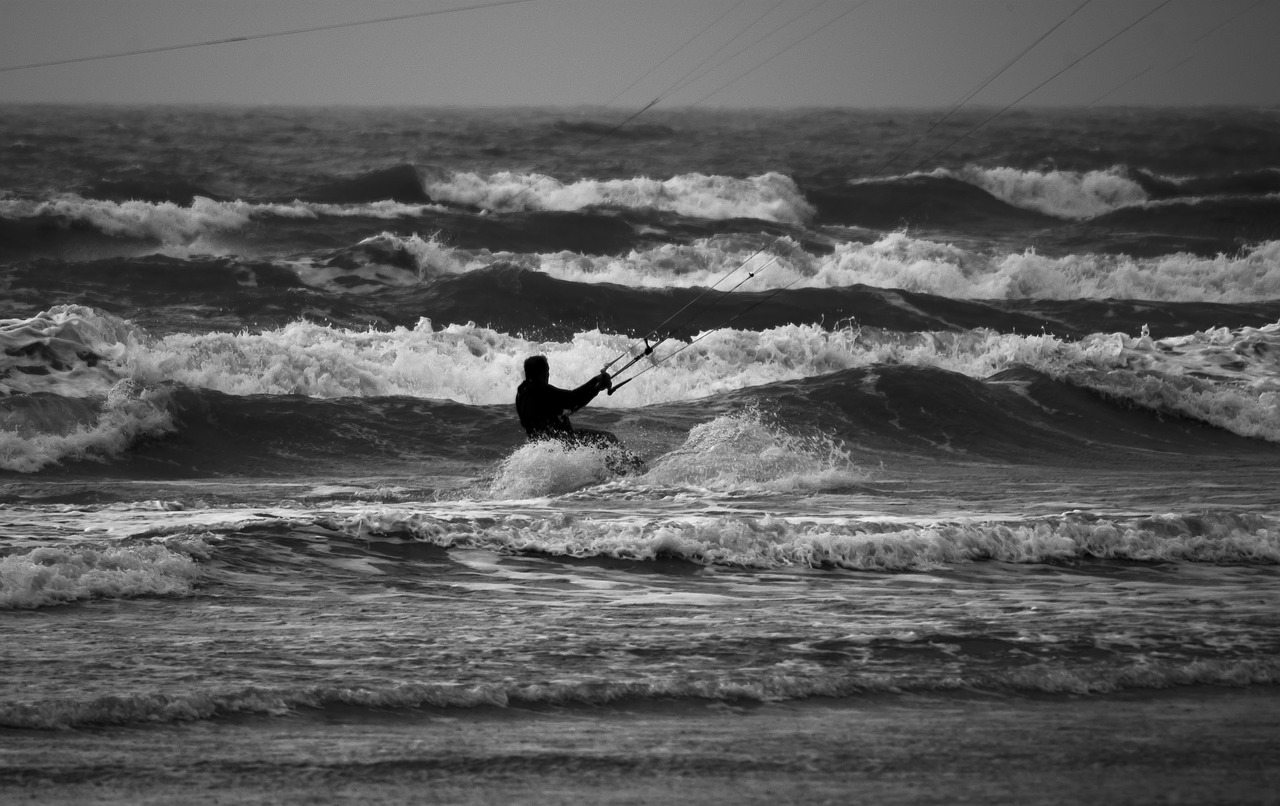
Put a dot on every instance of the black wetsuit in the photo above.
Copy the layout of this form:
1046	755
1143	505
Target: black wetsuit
544	408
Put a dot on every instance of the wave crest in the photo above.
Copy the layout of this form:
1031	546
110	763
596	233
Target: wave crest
847	543
899	261
68	348
48	430
52	575
770	196
895	260
1062	194
190	225
65	394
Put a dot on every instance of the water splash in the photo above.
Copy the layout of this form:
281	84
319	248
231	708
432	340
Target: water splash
742	451
548	467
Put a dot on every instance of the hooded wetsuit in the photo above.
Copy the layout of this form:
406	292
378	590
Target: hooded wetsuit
544	408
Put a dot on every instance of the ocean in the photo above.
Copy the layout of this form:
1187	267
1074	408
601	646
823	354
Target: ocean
932	413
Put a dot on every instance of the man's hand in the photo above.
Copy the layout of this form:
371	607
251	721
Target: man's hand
603	382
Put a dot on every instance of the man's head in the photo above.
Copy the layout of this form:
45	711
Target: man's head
536	368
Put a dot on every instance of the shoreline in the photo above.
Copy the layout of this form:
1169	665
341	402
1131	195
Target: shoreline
1196	744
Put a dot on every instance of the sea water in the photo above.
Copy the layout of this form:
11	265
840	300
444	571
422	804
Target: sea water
1006	421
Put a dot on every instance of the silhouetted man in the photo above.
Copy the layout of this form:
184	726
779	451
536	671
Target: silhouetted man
544	409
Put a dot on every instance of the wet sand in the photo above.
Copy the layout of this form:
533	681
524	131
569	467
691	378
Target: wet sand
1191	745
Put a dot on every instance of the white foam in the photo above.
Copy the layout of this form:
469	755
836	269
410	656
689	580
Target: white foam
52	575
704	263
108	431
180	225
1227	377
479	366
776	542
64	369
547	468
380	262
165	222
896	260
732	452
68	349
1064	194
459	362
729	260
770	196
1230	378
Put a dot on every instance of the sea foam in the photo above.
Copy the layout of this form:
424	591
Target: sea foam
743	451
770	196
1063	194
732	452
172	224
479	366
1227	377
381	261
548	467
52	575
165	222
64	390
69	349
476	365
899	261
57	431
895	260
846	543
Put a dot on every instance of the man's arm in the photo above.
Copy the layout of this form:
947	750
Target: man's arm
584	394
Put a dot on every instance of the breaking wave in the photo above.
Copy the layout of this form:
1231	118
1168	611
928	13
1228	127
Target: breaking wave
171	223
896	260
899	261
735	452
53	575
771	196
1062	194
1229	377
847	543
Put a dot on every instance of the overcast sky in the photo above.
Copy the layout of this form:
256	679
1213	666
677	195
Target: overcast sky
813	52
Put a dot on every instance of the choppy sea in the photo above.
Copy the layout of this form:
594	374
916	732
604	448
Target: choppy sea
1005	419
